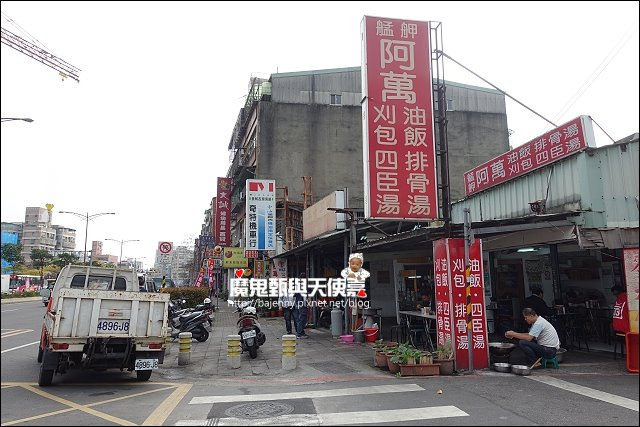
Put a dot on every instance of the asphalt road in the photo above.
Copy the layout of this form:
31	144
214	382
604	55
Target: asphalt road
115	398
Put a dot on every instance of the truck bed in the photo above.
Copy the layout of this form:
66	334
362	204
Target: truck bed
81	310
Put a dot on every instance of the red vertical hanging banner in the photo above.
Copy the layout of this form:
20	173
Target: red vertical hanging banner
450	288
223	212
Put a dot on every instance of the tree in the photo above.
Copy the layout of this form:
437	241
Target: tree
41	258
64	259
12	253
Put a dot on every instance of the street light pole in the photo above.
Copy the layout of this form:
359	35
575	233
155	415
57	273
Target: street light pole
87	217
11	119
122	242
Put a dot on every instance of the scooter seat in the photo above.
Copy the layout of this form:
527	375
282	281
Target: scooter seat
189	315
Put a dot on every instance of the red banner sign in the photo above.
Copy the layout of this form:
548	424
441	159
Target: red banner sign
223	212
564	141
250	254
451	301
398	136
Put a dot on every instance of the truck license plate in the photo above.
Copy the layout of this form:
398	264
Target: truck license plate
117	326
248	334
146	364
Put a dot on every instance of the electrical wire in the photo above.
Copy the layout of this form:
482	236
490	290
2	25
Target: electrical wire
591	78
26	33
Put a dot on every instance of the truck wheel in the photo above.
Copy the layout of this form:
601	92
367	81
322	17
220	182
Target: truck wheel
144	375
253	351
204	334
46	375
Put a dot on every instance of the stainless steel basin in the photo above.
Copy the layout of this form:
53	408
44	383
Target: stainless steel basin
520	369
502	367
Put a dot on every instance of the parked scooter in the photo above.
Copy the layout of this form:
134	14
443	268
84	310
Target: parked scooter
188	322
251	337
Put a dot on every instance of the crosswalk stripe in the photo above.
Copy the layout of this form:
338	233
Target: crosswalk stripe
587	391
307	394
338	418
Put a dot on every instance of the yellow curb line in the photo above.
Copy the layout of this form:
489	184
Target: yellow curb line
62	411
162	412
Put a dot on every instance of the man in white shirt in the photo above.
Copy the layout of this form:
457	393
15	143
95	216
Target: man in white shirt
541	340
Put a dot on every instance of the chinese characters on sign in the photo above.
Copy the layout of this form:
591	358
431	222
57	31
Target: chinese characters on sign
631	271
564	141
234	258
223	211
260	225
398	137
451	308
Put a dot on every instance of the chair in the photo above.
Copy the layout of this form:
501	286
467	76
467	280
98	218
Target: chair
618	339
553	361
400	332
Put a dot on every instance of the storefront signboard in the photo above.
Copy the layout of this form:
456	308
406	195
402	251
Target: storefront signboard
631	277
397	112
451	301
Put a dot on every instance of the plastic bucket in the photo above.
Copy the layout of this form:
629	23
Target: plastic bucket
371	334
359	335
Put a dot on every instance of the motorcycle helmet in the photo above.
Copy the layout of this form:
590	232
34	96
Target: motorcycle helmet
249	310
207	301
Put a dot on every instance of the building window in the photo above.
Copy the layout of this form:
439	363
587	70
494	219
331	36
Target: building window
336	99
450	105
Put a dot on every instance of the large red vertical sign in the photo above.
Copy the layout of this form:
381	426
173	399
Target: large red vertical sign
223	212
443	292
449	254
398	132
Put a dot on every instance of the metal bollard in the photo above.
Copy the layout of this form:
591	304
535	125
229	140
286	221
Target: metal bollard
233	351
184	355
289	345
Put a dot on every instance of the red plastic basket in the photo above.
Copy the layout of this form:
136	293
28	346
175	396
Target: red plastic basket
632	351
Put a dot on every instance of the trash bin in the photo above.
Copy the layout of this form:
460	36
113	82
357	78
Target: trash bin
336	322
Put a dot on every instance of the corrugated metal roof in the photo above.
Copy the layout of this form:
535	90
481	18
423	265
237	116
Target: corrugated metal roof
601	183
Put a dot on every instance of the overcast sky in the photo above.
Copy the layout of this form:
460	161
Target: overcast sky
145	132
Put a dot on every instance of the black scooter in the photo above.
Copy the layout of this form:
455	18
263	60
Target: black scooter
251	337
188	322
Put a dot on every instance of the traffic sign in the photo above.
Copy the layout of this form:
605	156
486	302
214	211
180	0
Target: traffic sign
165	247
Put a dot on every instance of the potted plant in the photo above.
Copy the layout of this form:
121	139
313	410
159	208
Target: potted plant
444	357
379	359
393	358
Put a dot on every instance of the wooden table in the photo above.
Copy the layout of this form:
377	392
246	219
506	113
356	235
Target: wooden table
426	318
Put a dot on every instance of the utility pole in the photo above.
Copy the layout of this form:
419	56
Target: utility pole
468	237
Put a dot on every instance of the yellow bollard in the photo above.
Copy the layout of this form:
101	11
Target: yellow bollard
234	349
184	355
289	347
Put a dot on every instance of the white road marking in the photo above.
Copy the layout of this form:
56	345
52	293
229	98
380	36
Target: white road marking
6	311
307	394
589	392
15	348
15	332
339	418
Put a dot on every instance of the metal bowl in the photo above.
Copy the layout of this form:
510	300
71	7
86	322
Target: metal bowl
501	348
502	367
520	369
560	354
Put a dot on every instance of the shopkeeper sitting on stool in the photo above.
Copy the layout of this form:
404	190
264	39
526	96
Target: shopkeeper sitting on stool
541	340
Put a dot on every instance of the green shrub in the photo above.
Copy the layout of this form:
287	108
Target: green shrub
21	294
192	295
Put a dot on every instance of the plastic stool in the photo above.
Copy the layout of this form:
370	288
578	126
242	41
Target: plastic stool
554	362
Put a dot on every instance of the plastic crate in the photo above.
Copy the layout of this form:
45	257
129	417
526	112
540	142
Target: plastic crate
632	351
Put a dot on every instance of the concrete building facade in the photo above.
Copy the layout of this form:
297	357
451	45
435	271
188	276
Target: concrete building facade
310	124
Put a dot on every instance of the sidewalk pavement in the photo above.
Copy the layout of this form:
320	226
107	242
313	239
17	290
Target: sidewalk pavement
320	358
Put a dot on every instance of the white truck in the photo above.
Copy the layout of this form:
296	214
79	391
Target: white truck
97	319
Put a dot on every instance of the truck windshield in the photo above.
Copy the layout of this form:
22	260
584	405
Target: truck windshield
99	282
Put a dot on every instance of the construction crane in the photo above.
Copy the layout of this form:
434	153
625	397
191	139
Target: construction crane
21	45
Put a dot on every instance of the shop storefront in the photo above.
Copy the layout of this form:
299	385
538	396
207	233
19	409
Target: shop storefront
561	229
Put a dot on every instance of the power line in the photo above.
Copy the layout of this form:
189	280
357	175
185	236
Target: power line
591	79
21	45
24	31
